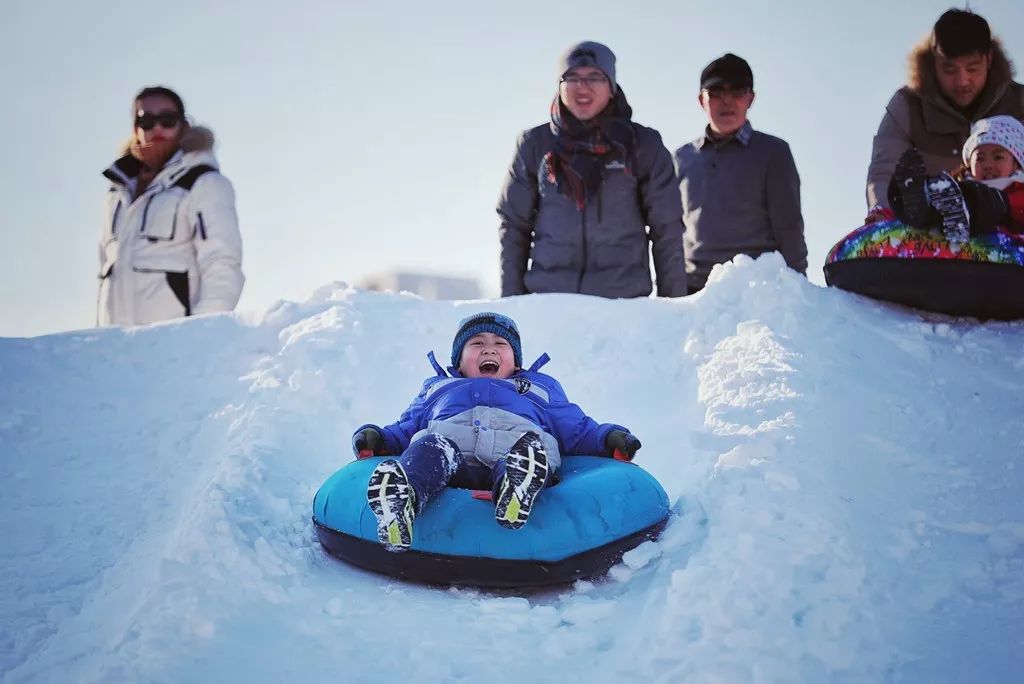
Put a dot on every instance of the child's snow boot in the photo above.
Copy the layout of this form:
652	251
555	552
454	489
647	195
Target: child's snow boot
393	500
945	196
526	471
907	195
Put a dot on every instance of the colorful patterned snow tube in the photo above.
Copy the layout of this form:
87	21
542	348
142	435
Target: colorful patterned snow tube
983	278
580	526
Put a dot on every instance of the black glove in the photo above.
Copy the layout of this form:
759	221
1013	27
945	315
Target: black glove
367	442
622	445
988	206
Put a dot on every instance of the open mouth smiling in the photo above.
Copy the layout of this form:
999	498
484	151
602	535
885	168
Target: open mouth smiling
488	367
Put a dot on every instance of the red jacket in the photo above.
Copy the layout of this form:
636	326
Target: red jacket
1015	198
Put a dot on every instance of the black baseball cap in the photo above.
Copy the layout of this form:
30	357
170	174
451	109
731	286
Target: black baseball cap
728	70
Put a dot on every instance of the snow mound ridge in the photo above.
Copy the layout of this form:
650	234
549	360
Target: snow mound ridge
847	479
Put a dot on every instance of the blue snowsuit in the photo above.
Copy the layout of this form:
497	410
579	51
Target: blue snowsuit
482	418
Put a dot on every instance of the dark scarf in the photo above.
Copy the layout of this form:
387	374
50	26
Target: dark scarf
583	148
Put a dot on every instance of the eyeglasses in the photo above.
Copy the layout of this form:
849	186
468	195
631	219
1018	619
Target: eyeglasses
592	81
146	121
726	93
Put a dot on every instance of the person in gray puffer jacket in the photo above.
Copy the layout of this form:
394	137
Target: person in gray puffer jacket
587	194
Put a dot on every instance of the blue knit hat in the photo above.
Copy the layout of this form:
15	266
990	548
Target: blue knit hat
589	54
487	321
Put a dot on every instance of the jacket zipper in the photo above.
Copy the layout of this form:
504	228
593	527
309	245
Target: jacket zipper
145	213
583	266
600	219
113	221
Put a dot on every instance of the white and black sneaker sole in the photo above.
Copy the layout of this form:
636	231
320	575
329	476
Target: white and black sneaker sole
945	196
393	501
526	471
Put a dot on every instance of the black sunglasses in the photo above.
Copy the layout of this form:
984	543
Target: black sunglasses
146	121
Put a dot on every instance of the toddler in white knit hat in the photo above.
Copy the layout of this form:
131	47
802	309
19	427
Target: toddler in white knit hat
984	195
994	153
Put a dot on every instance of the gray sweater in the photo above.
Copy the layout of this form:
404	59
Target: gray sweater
548	245
740	195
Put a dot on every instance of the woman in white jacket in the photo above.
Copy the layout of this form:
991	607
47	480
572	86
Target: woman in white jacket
170	245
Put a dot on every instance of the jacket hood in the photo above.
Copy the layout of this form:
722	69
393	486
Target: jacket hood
196	149
921	68
195	139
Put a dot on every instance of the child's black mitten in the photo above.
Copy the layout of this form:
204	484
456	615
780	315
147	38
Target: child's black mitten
622	445
988	206
366	442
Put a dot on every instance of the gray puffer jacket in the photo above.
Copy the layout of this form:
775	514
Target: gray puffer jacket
548	245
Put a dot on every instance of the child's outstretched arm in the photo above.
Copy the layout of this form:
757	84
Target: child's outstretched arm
578	433
395	438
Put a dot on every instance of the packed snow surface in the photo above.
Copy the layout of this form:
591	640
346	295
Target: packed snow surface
847	481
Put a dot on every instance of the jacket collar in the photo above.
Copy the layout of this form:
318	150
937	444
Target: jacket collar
942	117
454	373
1003	183
741	136
125	170
196	149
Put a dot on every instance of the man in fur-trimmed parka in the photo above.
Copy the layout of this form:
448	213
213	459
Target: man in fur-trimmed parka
957	75
170	244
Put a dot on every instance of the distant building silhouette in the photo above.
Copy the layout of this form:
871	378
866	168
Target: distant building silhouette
428	286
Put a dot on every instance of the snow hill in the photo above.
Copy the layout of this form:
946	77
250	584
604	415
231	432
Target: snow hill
847	476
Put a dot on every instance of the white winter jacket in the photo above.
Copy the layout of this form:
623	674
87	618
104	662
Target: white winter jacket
175	250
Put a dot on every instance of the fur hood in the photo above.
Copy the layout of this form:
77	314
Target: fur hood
195	139
921	68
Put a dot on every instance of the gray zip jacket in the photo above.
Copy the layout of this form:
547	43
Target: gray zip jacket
548	245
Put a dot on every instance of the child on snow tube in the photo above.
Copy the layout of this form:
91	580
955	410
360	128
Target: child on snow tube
488	425
984	194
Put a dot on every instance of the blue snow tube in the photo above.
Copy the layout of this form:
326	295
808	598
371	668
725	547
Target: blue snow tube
580	526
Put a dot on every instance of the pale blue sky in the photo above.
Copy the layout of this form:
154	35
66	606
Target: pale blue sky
363	137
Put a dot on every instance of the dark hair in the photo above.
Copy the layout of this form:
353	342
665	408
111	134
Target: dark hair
160	90
961	32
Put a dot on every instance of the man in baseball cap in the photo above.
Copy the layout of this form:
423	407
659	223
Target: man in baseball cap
740	187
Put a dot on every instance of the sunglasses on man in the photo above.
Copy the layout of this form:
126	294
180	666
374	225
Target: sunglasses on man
146	121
